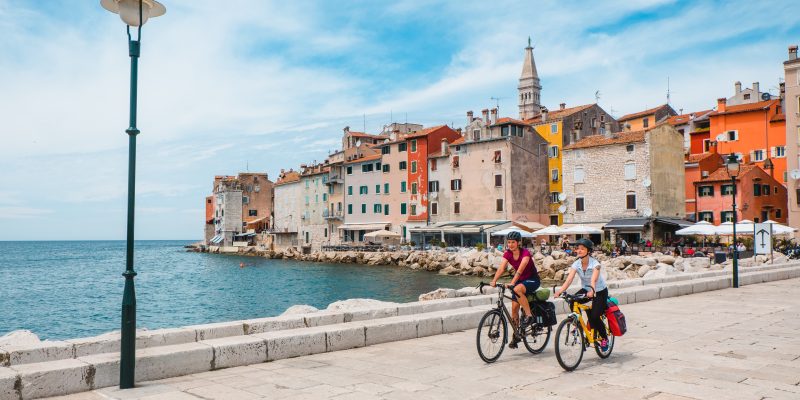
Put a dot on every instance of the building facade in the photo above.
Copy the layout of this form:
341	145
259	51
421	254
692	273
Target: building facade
697	167
334	213
759	197
694	127
791	69
529	88
314	202
288	209
364	211
647	118
227	211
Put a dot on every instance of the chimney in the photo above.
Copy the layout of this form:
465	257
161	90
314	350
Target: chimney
793	52
469	117
485	113
444	147
755	89
562	106
712	146
721	104
738	86
494	115
544	114
346	129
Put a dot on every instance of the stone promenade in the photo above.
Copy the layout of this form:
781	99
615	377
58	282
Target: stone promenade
725	344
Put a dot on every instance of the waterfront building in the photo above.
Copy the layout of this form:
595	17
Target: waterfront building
256	201
227	211
631	183
647	118
313	203
492	176
759	196
694	127
334	213
697	167
209	220
529	88
791	69
254	193
563	127
288	210
364	211
395	190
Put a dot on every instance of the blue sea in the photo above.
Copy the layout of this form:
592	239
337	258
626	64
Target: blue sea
69	289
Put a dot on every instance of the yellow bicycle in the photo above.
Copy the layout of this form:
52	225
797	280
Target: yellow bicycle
574	335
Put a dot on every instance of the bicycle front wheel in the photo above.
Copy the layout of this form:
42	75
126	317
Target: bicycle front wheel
536	338
492	336
569	344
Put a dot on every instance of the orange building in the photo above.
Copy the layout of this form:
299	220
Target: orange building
756	132
421	144
759	197
697	167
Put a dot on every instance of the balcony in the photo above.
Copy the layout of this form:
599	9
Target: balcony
327	214
333	179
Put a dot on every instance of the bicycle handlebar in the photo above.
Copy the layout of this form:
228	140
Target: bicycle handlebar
499	285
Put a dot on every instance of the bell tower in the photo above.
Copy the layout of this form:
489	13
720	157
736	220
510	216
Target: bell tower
529	87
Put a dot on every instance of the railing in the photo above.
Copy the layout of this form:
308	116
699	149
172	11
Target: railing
333	179
361	248
327	214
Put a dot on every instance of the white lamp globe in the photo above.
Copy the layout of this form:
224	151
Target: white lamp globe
128	10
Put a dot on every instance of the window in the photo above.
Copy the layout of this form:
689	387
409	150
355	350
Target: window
377	166
401	147
499	206
457	207
726	216
349	190
403	187
252	213
707	216
580	175
630	201
385	149
385	167
765	190
246	200
378	189
455	161
413	187
706	191
498	180
455	184
776	190
363	208
433	186
377	208
306	200
504	131
747	96
553	152
646	122
579	204
553	128
349	208
630	171
366	167
554	175
363	190
326	232
434	208
316	198
756	189
414	145
385	188
554	197
413	209
629	148
324	197
706	145
476	134
403	165
757	155
726	190
778	213
497	157
413	167
385	209
780	151
731	135
433	164
403	208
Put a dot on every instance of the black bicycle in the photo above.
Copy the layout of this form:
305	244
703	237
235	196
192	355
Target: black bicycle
493	330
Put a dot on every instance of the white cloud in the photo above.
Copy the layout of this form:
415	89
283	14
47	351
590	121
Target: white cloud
23	212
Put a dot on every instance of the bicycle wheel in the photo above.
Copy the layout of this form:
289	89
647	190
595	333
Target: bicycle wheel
597	349
536	338
492	336
569	344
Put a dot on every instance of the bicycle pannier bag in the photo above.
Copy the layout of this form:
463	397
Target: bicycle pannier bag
545	310
616	320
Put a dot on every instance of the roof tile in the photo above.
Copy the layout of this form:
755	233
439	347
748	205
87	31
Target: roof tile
601	140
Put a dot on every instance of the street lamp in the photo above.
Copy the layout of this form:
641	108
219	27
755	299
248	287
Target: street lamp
733	167
133	13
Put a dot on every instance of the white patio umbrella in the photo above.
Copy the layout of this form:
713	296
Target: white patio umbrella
382	234
702	228
504	232
742	228
779	229
581	230
551	230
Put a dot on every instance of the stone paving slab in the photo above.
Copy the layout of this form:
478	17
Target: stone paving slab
725	344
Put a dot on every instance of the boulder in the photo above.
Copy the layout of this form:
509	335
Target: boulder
643	270
560	275
300	309
441	293
358	304
666	259
761	259
613	274
561	264
538	257
558	254
467	291
616	263
547	262
479	271
449	271
19	338
643	261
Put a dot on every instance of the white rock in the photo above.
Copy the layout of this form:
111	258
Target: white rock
300	309
643	261
19	338
666	259
357	304
643	270
467	291
441	293
557	255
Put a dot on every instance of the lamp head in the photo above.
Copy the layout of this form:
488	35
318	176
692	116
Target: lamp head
733	165
128	10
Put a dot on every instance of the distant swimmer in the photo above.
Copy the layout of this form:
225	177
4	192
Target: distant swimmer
241	265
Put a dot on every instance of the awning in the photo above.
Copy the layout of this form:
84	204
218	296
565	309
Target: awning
216	239
363	227
463	227
383	233
245	234
257	221
680	223
598	225
627	224
532	226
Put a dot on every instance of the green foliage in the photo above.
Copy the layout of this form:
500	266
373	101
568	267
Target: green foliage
442	244
480	246
658	243
607	246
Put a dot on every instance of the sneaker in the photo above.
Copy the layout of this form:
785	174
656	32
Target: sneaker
527	321
513	343
604	345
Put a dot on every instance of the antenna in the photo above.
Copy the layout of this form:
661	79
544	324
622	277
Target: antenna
597	96
668	92
365	123
497	103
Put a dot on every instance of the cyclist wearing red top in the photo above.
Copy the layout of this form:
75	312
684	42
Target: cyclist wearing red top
525	280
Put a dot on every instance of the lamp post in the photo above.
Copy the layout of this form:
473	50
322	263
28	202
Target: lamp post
134	13
733	166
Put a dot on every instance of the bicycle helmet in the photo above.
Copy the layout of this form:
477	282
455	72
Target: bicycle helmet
585	243
514	235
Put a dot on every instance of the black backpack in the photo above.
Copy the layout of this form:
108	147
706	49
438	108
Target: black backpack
544	313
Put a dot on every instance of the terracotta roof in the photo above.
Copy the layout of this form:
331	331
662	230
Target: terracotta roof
761	105
778	117
557	114
602	140
721	174
424	132
288	177
694	158
457	141
368	135
685	118
362	159
507	120
640	114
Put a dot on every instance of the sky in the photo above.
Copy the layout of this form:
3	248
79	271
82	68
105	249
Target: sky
256	85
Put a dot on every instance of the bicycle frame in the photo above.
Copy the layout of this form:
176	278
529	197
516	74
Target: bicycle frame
578	315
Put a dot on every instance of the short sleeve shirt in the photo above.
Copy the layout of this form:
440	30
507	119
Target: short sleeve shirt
586	276
530	270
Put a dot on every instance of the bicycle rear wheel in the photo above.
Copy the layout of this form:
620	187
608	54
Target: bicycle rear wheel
492	336
569	344
597	349
536	338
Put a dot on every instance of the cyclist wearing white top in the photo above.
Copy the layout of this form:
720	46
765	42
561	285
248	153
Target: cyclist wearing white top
592	284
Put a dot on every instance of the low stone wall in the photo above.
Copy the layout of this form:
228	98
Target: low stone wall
217	346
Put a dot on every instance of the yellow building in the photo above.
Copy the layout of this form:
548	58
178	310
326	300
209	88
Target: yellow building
647	118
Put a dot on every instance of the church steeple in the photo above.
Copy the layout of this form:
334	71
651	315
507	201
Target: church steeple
529	87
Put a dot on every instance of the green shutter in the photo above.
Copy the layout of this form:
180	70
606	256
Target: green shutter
403	209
